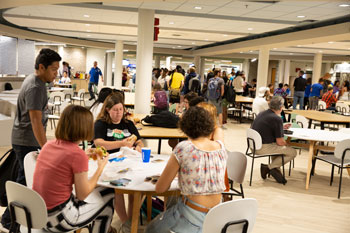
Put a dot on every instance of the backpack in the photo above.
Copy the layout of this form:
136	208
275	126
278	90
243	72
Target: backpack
8	171
230	94
157	207
164	119
8	87
161	99
194	85
214	89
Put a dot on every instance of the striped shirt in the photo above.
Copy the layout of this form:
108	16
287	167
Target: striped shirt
329	98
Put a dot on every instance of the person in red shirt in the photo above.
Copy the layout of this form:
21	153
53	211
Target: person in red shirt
62	164
329	98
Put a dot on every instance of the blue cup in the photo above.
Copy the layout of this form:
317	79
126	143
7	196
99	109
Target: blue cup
146	154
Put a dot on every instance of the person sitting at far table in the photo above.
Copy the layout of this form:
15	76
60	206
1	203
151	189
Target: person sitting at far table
200	164
330	99
269	125
65	79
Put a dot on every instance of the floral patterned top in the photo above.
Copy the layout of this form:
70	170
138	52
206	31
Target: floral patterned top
201	172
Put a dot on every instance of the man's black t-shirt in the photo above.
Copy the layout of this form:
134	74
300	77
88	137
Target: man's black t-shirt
269	126
104	131
299	84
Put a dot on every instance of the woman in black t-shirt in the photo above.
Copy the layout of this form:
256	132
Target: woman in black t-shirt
113	131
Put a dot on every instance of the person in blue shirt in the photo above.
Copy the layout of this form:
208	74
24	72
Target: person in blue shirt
316	93
93	77
307	93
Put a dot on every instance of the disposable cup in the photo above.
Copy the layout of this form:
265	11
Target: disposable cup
146	154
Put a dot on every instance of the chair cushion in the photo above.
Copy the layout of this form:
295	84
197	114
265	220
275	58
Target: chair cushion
332	159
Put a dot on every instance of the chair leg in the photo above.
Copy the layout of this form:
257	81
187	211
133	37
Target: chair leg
340	180
293	163
290	167
332	175
242	190
251	172
284	176
268	175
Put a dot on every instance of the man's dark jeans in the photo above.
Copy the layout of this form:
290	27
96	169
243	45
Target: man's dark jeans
21	152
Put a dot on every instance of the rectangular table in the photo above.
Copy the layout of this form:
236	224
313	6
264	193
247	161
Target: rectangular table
241	100
323	117
312	136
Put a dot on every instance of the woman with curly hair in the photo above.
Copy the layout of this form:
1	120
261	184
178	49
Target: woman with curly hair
200	164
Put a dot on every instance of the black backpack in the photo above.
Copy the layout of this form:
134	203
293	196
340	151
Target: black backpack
230	94
164	119
8	171
194	85
8	87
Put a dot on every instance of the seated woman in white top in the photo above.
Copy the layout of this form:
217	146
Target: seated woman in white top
200	164
259	103
65	78
345	91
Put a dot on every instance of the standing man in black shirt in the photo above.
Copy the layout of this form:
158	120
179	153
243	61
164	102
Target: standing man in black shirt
299	89
269	125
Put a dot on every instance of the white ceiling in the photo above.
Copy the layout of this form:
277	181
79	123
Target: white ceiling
181	25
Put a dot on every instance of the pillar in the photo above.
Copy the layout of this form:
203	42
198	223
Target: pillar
245	68
280	71
286	72
156	61
118	65
109	69
144	58
263	65
168	62
316	70
327	67
202	69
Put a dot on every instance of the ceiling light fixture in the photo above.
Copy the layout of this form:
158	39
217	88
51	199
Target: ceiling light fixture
253	60
171	22
250	29
86	16
198	8
88	30
298	45
240	52
320	51
224	35
87	25
179	46
251	51
330	42
193	42
83	47
301	16
291	53
274	48
344	5
206	39
89	35
125	50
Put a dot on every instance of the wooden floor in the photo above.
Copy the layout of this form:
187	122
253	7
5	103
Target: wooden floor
289	208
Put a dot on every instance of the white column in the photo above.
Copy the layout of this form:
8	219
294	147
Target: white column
327	67
156	61
286	72
144	57
168	62
263	65
316	70
280	71
118	64
245	67
196	62
202	69
61	52
109	69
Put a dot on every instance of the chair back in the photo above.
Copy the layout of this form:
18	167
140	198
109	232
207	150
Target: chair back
81	93
342	107
230	215
322	105
29	167
56	96
302	121
342	149
254	139
68	94
20	196
236	166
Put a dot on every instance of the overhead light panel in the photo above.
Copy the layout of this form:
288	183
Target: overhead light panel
330	42
291	53
253	60
250	29
87	25
344	5
301	16
125	50
198	8
224	35
171	22
274	48
193	42
86	16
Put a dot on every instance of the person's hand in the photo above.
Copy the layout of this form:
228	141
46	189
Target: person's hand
138	148
101	162
127	143
287	126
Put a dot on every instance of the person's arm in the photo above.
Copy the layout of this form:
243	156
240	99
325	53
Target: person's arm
218	134
168	175
111	145
281	142
37	126
222	89
83	185
139	145
102	77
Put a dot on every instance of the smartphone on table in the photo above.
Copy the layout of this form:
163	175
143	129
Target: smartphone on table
120	182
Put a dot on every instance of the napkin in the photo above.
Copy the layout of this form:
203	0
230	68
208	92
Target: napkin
128	152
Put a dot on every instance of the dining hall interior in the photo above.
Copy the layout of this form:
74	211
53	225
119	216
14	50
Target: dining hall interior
130	44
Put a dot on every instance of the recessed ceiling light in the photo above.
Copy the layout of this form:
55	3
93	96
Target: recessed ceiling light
88	30
224	35
291	53
344	5
179	46
240	52
253	60
251	51
298	45
274	48
83	47
87	25
173	47
320	51
86	16
206	39
125	50
193	42
89	35
348	48
301	16
198	8
171	22
330	42
250	29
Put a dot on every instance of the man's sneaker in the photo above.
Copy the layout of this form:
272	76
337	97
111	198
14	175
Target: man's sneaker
91	99
264	170
276	173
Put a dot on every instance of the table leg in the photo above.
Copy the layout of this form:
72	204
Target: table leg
309	164
240	112
149	208
322	125
135	212
159	145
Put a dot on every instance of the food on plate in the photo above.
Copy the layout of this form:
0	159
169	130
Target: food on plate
98	151
136	120
132	138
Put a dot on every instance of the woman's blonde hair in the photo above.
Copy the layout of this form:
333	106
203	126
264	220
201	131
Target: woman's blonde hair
210	108
76	124
111	100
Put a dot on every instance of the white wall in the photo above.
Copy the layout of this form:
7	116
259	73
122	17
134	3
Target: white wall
95	55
